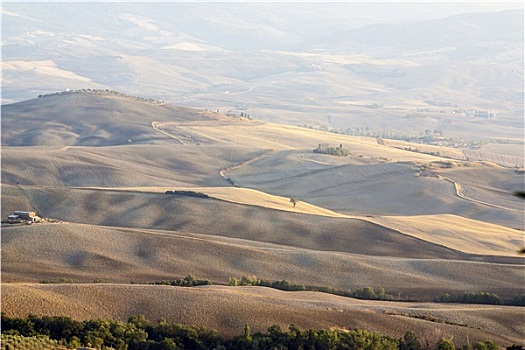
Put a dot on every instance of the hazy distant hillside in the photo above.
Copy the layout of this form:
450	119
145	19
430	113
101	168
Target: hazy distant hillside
87	119
297	63
456	32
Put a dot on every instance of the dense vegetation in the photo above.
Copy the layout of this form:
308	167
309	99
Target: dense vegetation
140	333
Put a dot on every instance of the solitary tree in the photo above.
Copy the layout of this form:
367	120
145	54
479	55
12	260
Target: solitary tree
294	201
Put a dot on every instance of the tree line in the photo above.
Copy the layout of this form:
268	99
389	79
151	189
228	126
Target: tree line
188	281
366	293
140	333
481	298
102	92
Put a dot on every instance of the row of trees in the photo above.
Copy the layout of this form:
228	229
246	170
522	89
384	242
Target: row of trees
140	333
427	135
369	293
481	298
188	281
365	293
102	92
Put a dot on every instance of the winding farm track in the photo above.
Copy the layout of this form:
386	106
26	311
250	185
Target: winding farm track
460	194
457	186
156	125
237	166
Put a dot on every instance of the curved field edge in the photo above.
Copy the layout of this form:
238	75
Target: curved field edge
245	196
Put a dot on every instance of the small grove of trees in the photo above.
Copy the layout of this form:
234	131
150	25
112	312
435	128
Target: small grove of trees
333	151
251	280
471	298
481	298
365	293
140	333
188	281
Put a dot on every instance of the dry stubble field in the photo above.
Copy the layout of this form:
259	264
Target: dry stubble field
120	227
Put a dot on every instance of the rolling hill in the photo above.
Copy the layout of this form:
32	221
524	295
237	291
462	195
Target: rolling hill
418	225
193	148
94	118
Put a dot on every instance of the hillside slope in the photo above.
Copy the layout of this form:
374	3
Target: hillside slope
141	143
85	253
228	309
102	164
130	208
87	118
